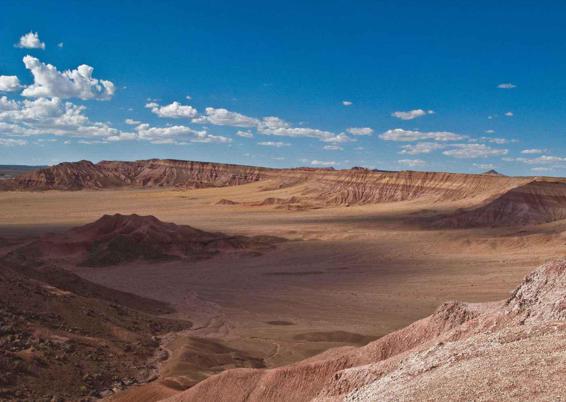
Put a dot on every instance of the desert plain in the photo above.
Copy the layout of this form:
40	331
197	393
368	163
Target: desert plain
341	273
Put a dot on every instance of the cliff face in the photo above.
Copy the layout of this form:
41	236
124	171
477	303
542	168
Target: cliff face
490	351
149	173
491	200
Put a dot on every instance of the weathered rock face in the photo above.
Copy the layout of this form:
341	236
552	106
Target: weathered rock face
491	351
149	173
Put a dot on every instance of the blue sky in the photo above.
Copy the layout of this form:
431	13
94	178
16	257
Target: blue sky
393	84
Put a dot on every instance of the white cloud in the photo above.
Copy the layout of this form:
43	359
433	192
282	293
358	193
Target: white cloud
399	134
10	142
485	166
509	114
333	148
174	134
270	125
360	130
174	110
224	117
532	151
244	134
541	160
9	83
60	45
323	163
489	131
347	103
495	140
30	41
506	85
275	144
411	162
472	151
78	83
542	169
132	122
411	114
421	148
52	116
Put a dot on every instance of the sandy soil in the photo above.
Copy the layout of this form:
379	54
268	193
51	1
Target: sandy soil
350	275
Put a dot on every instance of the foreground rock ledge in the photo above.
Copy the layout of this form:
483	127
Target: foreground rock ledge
502	351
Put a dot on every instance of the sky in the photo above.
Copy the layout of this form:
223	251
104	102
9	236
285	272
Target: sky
462	86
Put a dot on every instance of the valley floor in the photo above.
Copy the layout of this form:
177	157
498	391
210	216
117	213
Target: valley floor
348	275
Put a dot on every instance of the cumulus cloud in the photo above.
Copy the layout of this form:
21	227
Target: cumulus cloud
532	151
10	142
270	125
509	114
506	85
411	114
53	116
333	148
174	110
175	134
225	117
275	144
542	169
495	140
360	130
473	151
323	163
244	134
485	166
30	41
9	83
78	83
347	103
411	162
132	122
541	160
421	148
399	134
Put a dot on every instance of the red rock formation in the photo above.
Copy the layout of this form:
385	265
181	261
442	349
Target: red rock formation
115	239
148	173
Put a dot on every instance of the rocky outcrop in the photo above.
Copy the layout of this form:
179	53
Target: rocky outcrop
509	350
117	239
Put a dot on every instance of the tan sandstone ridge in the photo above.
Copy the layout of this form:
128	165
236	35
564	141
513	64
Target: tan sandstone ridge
473	199
509	350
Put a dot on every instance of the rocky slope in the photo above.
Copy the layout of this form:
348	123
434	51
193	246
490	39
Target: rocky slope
117	239
509	350
64	338
531	203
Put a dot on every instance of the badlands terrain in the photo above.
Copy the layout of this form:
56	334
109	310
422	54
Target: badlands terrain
148	280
